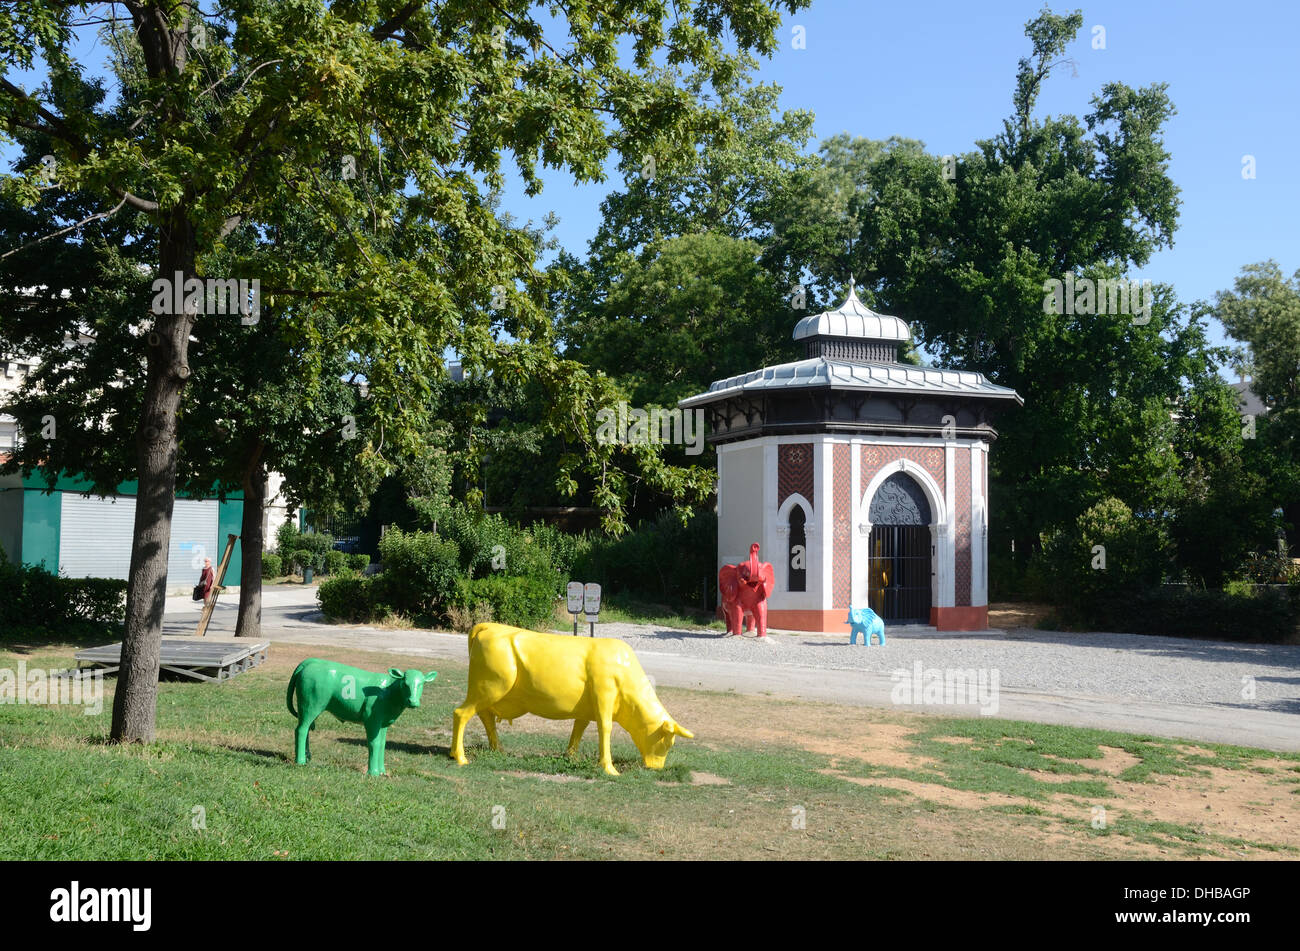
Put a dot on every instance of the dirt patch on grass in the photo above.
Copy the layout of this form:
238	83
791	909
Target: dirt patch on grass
547	777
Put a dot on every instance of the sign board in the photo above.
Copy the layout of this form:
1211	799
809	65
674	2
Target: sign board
574	592
591	599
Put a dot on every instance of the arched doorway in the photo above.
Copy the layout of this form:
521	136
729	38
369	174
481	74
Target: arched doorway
900	558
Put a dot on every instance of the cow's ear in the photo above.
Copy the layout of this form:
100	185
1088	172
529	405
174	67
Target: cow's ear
395	672
431	675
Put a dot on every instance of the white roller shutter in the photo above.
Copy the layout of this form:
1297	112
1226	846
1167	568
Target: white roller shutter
95	536
194	537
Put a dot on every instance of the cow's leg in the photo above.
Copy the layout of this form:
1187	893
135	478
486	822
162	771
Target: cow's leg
490	725
377	737
604	725
459	717
302	734
579	727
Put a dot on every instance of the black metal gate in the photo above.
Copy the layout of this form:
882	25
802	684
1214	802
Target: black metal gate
898	563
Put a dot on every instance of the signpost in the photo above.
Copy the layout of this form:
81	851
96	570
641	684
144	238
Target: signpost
574	593
584	599
591	604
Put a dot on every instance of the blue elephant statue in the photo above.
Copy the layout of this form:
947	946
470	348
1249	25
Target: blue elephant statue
866	622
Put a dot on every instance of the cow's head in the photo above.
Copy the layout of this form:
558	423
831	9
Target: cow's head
410	685
654	748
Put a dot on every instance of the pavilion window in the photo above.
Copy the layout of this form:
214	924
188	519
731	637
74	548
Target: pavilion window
798	562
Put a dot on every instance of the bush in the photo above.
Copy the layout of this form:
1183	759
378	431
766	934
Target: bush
420	572
518	601
488	544
665	561
34	597
464	619
1267	616
272	565
300	559
358	562
335	561
286	540
1074	574
347	597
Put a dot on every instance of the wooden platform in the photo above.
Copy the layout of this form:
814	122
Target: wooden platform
199	658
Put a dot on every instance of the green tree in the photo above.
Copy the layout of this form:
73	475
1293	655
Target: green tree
1263	312
261	105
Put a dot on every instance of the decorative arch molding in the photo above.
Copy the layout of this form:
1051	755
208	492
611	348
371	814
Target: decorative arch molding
933	494
783	514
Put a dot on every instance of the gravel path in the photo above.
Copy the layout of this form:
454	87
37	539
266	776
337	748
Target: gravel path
1160	669
1159	685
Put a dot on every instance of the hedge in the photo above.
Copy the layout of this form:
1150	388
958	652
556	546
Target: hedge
518	601
33	597
1269	616
272	565
347	597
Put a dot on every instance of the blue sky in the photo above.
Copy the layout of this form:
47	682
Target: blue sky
943	72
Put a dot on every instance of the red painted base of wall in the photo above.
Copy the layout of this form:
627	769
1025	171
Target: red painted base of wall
960	619
833	622
827	622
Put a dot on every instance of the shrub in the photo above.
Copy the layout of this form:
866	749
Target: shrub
300	560
335	561
272	565
358	562
286	540
420	572
666	561
347	597
1074	574
35	597
519	601
464	619
1217	615
93	599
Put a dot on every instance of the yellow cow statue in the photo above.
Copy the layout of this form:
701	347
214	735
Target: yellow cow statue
513	671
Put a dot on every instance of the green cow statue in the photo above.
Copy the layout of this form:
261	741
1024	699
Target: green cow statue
354	696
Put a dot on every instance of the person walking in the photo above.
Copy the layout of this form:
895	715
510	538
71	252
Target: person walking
206	580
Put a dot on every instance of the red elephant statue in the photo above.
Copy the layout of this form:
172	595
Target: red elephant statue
743	590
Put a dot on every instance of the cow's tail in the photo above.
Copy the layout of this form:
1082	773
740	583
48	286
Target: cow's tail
293	684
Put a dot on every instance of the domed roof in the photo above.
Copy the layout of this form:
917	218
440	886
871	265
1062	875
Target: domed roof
855	320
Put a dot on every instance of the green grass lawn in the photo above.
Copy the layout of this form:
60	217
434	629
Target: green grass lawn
220	783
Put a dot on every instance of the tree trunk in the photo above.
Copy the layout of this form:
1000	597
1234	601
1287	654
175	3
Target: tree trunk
167	345
250	546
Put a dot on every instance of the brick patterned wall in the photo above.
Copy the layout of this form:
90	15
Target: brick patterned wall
962	501
874	458
842	529
794	472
